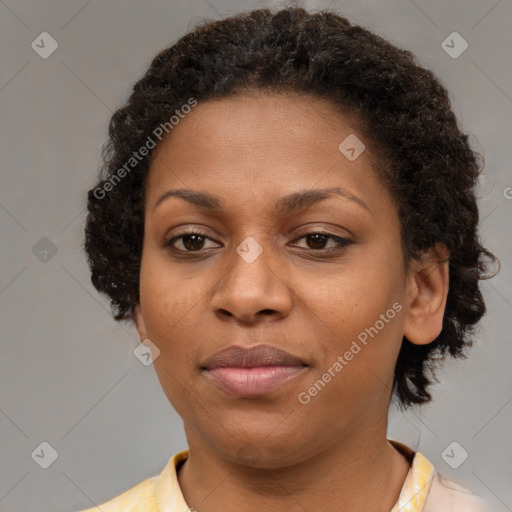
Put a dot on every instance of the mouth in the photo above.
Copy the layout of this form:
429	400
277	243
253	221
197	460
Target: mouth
254	371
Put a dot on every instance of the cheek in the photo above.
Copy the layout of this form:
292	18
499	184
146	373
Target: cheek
353	375
359	312
167	295
353	296
170	310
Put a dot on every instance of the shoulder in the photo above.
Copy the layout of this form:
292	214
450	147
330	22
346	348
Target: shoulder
445	495
140	498
155	494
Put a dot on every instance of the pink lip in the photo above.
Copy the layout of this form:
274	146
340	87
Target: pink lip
254	381
253	371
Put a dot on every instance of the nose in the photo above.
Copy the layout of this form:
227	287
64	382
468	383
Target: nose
251	290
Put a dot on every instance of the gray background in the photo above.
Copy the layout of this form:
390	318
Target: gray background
68	373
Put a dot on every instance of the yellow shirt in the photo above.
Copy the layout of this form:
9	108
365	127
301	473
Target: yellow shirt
424	490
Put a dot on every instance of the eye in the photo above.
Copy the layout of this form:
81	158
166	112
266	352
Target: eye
192	241
318	239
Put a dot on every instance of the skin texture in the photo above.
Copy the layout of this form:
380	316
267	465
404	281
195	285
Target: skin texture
271	451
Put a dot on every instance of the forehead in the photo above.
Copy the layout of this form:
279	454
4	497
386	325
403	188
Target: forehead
257	118
256	145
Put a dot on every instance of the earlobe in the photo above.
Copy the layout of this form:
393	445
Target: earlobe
139	322
427	289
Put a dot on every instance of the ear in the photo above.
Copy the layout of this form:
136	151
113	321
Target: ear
139	322
427	291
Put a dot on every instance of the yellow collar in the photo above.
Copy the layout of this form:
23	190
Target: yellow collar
417	483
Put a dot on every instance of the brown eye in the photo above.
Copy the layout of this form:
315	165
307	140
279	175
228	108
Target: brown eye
318	240
191	242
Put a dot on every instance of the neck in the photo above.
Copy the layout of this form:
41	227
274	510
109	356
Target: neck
363	473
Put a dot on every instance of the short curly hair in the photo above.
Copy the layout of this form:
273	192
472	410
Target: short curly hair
424	160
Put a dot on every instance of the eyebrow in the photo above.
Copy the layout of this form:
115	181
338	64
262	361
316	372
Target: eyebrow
286	205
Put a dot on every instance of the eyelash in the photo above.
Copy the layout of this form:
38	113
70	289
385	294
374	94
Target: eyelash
341	242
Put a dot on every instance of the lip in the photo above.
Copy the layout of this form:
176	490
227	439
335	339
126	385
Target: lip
252	371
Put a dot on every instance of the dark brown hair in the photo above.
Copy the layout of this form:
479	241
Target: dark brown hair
423	158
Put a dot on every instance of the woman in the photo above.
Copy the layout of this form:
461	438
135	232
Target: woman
287	212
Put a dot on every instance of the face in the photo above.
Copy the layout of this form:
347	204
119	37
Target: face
271	262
